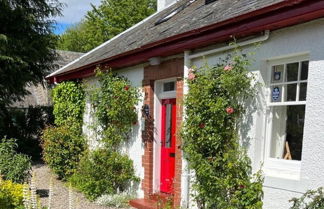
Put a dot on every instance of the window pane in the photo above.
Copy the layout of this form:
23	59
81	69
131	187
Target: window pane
168	125
303	91
295	130
277	72
287	132
292	72
169	86
276	92
290	92
304	70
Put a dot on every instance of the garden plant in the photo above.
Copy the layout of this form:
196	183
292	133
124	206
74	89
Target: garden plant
13	166
108	170
215	106
312	199
63	144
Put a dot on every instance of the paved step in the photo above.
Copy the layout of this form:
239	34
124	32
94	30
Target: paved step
144	204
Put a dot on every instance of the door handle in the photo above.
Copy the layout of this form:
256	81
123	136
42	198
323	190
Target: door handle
172	154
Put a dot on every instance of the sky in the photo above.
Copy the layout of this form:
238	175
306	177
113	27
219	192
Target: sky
73	12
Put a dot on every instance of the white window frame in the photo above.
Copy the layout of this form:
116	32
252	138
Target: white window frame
159	94
289	169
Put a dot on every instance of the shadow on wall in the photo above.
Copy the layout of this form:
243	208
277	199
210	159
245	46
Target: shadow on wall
247	122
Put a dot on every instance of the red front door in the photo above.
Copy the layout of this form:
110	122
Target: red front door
168	142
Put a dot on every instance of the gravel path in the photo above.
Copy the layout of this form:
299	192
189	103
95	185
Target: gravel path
60	198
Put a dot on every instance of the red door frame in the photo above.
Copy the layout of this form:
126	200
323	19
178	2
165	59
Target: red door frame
168	143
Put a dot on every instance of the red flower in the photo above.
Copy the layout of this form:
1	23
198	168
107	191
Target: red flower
191	75
228	68
229	110
126	88
202	125
242	186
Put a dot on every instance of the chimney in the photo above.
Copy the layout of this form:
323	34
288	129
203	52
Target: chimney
161	4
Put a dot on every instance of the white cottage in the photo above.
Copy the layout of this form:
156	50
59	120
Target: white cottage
286	132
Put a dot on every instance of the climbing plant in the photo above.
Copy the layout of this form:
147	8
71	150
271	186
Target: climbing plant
312	199
214	107
64	145
115	103
69	104
108	170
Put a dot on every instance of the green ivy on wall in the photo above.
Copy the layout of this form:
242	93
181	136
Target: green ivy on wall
64	145
69	104
214	107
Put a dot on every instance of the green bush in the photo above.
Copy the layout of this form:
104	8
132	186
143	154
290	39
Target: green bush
11	195
69	104
62	150
103	172
312	199
13	166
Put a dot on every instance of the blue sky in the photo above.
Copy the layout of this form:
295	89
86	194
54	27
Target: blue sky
73	12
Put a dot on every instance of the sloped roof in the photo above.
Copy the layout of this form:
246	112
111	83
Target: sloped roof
188	15
39	95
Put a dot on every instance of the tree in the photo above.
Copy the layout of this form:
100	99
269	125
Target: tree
26	45
104	22
26	49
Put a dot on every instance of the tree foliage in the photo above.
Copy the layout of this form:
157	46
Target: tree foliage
104	22
26	44
214	107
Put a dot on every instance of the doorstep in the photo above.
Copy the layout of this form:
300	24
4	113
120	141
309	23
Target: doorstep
156	201
144	204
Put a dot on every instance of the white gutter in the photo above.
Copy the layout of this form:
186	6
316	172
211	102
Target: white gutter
185	177
226	48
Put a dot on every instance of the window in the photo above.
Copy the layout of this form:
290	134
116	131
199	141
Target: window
288	86
169	86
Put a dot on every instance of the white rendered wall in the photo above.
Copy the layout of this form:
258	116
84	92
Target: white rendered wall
134	148
302	39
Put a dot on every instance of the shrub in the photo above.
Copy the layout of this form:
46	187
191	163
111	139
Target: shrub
115	200
62	150
13	166
103	172
312	199
11	195
214	108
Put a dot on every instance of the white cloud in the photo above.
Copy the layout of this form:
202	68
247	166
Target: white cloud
75	10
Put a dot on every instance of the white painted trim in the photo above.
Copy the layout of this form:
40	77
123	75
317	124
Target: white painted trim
294	57
158	96
280	168
275	104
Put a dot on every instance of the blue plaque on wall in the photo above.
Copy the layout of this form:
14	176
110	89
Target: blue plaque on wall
275	94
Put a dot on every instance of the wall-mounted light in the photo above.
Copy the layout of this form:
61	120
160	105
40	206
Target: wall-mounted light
155	60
